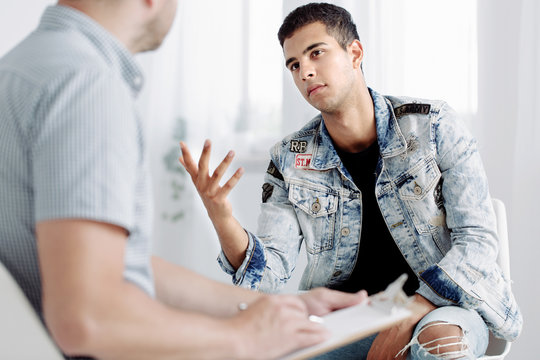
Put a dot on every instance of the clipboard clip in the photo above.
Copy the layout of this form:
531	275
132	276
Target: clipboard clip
392	298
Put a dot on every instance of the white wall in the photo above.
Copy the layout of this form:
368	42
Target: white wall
509	94
17	18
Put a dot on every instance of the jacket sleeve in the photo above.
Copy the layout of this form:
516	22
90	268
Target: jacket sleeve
468	274
272	254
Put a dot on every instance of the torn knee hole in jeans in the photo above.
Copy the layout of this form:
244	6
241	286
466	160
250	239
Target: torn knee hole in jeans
450	347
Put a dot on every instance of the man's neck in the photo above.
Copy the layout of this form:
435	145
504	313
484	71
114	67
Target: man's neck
353	129
111	16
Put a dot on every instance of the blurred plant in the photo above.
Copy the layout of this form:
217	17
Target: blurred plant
175	170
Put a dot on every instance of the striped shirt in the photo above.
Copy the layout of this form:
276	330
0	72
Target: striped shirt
71	144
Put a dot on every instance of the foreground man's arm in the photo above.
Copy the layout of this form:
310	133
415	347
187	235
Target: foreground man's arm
91	310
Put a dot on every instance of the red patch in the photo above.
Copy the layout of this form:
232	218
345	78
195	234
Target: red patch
302	161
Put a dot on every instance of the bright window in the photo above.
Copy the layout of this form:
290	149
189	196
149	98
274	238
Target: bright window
424	48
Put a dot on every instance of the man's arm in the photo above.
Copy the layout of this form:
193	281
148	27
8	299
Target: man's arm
172	281
234	240
254	263
91	310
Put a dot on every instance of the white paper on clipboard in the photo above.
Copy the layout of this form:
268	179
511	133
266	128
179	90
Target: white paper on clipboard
383	310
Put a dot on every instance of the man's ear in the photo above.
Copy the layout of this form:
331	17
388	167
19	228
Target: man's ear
356	51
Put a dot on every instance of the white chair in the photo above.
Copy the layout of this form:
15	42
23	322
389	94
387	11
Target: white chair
497	348
22	334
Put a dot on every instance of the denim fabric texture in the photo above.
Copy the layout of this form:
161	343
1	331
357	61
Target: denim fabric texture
433	194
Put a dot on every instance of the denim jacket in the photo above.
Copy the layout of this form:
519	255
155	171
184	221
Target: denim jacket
432	192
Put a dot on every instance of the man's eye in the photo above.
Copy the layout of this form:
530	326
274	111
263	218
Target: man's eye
316	53
293	66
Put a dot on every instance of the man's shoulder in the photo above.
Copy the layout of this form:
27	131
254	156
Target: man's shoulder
307	132
408	105
40	60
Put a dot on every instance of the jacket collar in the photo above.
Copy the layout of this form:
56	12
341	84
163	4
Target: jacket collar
391	140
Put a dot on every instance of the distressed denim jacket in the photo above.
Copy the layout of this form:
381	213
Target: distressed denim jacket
432	192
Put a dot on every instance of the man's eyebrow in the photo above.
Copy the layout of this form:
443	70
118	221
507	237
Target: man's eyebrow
310	47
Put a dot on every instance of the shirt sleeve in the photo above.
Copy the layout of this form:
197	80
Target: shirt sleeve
84	150
468	274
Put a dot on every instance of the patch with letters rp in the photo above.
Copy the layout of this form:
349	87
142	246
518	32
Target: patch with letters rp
298	146
413	108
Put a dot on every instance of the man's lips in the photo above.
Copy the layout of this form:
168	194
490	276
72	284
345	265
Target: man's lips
314	88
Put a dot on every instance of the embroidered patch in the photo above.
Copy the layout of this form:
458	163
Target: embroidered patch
438	196
302	161
412	109
298	146
273	170
267	191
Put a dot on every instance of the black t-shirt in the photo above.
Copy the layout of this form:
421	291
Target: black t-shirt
379	260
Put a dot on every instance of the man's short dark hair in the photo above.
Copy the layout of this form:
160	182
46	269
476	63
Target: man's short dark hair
338	22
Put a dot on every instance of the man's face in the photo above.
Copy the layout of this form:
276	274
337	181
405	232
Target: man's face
322	70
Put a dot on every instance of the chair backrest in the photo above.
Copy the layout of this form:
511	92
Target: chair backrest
22	334
498	348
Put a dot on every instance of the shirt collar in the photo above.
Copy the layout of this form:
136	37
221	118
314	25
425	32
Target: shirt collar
64	18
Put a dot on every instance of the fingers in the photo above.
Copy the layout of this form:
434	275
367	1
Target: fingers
229	185
339	300
220	171
204	160
200	172
187	161
290	317
277	325
321	301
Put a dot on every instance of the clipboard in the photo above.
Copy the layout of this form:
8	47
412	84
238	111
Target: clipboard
377	313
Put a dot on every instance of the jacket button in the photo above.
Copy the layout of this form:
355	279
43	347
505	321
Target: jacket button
337	273
316	207
417	189
345	231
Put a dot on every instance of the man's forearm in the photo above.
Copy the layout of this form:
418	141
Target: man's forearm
168	276
120	321
233	239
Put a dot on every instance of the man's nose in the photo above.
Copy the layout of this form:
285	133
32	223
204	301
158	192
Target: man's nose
307	71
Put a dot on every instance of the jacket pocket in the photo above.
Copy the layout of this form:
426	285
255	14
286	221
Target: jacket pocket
419	192
316	208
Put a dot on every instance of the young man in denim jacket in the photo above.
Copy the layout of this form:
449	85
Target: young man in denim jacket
375	186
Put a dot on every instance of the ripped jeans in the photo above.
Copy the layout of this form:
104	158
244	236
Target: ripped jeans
472	344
